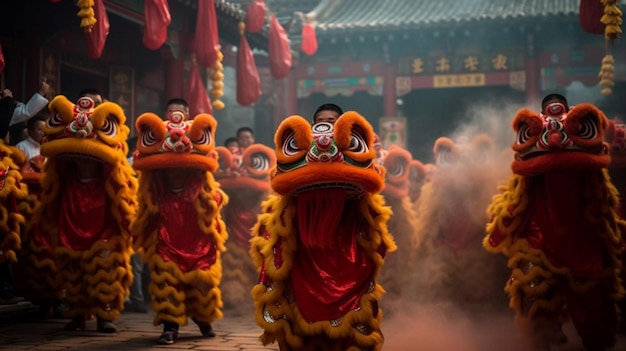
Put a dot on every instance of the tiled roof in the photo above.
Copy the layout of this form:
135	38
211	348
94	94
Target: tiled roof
359	15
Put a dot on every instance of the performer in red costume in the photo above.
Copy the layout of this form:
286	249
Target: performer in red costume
246	180
179	231
452	266
321	242
557	223
396	161
88	201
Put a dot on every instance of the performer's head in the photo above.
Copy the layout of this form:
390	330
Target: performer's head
327	113
550	104
176	104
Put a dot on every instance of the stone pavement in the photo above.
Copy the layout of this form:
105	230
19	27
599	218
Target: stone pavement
135	332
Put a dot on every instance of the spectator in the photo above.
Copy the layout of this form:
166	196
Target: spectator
232	145
176	104
25	111
245	137
93	94
32	144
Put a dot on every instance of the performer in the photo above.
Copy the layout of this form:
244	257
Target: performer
246	180
87	204
321	242
402	225
12	193
452	266
179	230
557	223
417	179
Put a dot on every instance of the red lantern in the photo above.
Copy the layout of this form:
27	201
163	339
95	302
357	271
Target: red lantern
589	15
157	18
97	37
309	40
197	96
279	50
255	16
248	81
207	41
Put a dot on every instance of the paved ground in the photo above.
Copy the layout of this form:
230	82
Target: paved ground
135	332
423	330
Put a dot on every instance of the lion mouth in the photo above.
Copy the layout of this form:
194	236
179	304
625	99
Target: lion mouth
340	186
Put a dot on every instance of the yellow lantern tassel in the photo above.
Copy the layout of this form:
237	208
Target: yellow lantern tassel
217	82
607	74
87	14
612	20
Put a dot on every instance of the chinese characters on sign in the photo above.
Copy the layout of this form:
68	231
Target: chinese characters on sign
458	80
462	64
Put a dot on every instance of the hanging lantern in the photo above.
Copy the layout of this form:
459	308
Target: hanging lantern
612	20
589	15
86	13
255	16
279	50
309	40
196	93
157	18
248	81
96	38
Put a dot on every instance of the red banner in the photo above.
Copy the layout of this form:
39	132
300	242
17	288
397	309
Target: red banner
279	50
248	81
197	96
97	37
255	16
157	18
207	41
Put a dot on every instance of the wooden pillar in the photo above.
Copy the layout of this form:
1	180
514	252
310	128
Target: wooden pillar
290	96
533	83
172	53
389	92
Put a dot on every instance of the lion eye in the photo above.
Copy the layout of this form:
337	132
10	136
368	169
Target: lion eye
523	133
357	144
110	127
54	121
148	139
290	147
205	137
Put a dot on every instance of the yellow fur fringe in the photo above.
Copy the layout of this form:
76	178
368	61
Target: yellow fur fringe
201	298
289	326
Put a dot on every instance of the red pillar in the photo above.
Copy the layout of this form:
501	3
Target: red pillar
290	89
533	83
175	78
389	92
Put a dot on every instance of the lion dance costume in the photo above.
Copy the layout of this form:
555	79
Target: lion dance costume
179	230
321	242
452	265
87	203
397	161
13	193
37	271
556	221
246	180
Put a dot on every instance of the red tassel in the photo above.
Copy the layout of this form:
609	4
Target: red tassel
97	37
279	50
248	81
197	96
1	59
309	40
207	41
157	18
